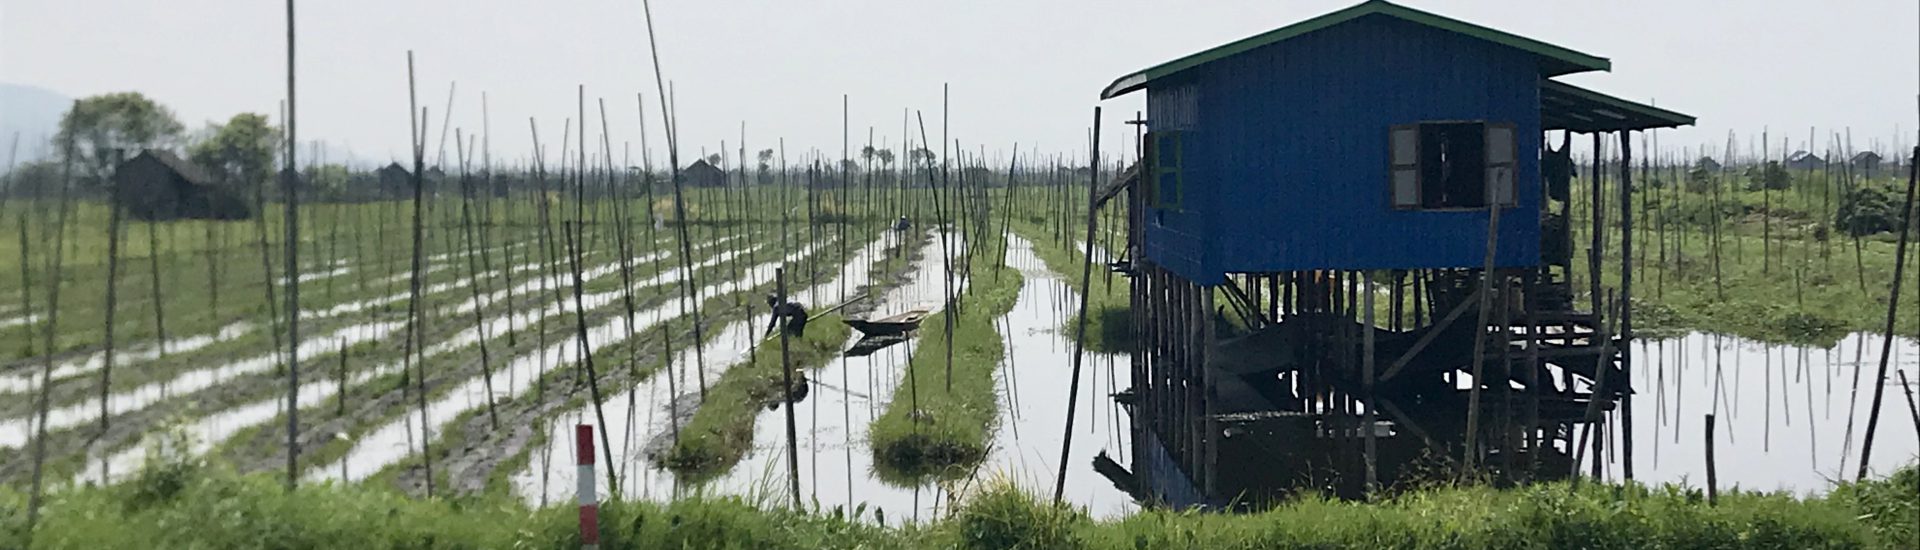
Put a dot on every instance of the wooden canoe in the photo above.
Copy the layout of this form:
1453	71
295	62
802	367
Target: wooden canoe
900	323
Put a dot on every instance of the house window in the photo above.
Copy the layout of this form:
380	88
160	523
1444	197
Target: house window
1168	182
1452	165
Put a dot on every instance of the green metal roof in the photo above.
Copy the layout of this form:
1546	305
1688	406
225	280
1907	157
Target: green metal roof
1554	60
1567	107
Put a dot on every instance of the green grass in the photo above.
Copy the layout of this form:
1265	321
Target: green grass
187	504
944	427
721	431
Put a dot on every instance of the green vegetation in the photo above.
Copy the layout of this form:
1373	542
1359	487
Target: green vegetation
721	431
1807	285
943	429
182	503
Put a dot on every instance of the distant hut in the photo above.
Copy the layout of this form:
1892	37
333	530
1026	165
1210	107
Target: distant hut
1707	164
1866	162
1803	160
158	186
702	174
395	180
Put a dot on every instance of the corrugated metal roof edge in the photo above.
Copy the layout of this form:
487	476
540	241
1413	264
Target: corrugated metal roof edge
1573	61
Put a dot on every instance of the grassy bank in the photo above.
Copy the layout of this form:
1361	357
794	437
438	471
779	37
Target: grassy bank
936	427
721	431
179	505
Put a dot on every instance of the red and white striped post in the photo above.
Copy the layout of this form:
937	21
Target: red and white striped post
589	503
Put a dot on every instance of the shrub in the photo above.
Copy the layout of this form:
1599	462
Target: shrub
1866	210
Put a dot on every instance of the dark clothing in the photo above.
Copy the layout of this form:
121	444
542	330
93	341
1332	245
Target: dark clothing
796	319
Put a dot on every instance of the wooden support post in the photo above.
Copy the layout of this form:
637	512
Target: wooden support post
1713	472
1626	301
1210	432
1480	337
1366	382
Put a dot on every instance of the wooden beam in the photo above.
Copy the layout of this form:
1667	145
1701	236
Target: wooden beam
1433	332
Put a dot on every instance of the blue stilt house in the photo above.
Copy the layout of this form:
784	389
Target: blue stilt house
1309	239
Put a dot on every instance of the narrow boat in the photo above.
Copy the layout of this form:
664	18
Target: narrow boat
900	323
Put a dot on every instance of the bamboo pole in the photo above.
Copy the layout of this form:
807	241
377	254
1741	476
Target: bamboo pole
1893	306
113	284
289	186
416	316
473	271
1480	335
786	379
1713	471
50	330
575	244
1626	297
1080	326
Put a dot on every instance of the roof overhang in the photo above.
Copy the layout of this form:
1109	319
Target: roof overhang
1567	107
1554	60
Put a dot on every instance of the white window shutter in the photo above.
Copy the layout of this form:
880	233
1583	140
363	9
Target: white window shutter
1406	188
1404	166
1405	145
1500	146
1501	153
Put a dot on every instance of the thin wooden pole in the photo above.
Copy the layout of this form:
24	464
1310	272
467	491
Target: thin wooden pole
114	202
50	330
289	186
1893	306
575	245
1080	326
1480	334
1366	378
416	315
1626	296
1713	471
786	379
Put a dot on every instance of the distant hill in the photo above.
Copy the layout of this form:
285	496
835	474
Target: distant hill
34	113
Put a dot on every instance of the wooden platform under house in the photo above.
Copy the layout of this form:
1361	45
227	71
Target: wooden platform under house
1350	263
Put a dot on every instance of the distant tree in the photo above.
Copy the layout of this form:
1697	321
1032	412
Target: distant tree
713	159
867	153
241	152
34	179
849	166
106	129
766	162
886	157
923	155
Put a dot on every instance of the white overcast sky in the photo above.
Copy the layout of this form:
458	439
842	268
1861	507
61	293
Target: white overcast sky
1025	71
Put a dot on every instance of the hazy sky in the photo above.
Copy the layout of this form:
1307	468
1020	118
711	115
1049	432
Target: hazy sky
1026	71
